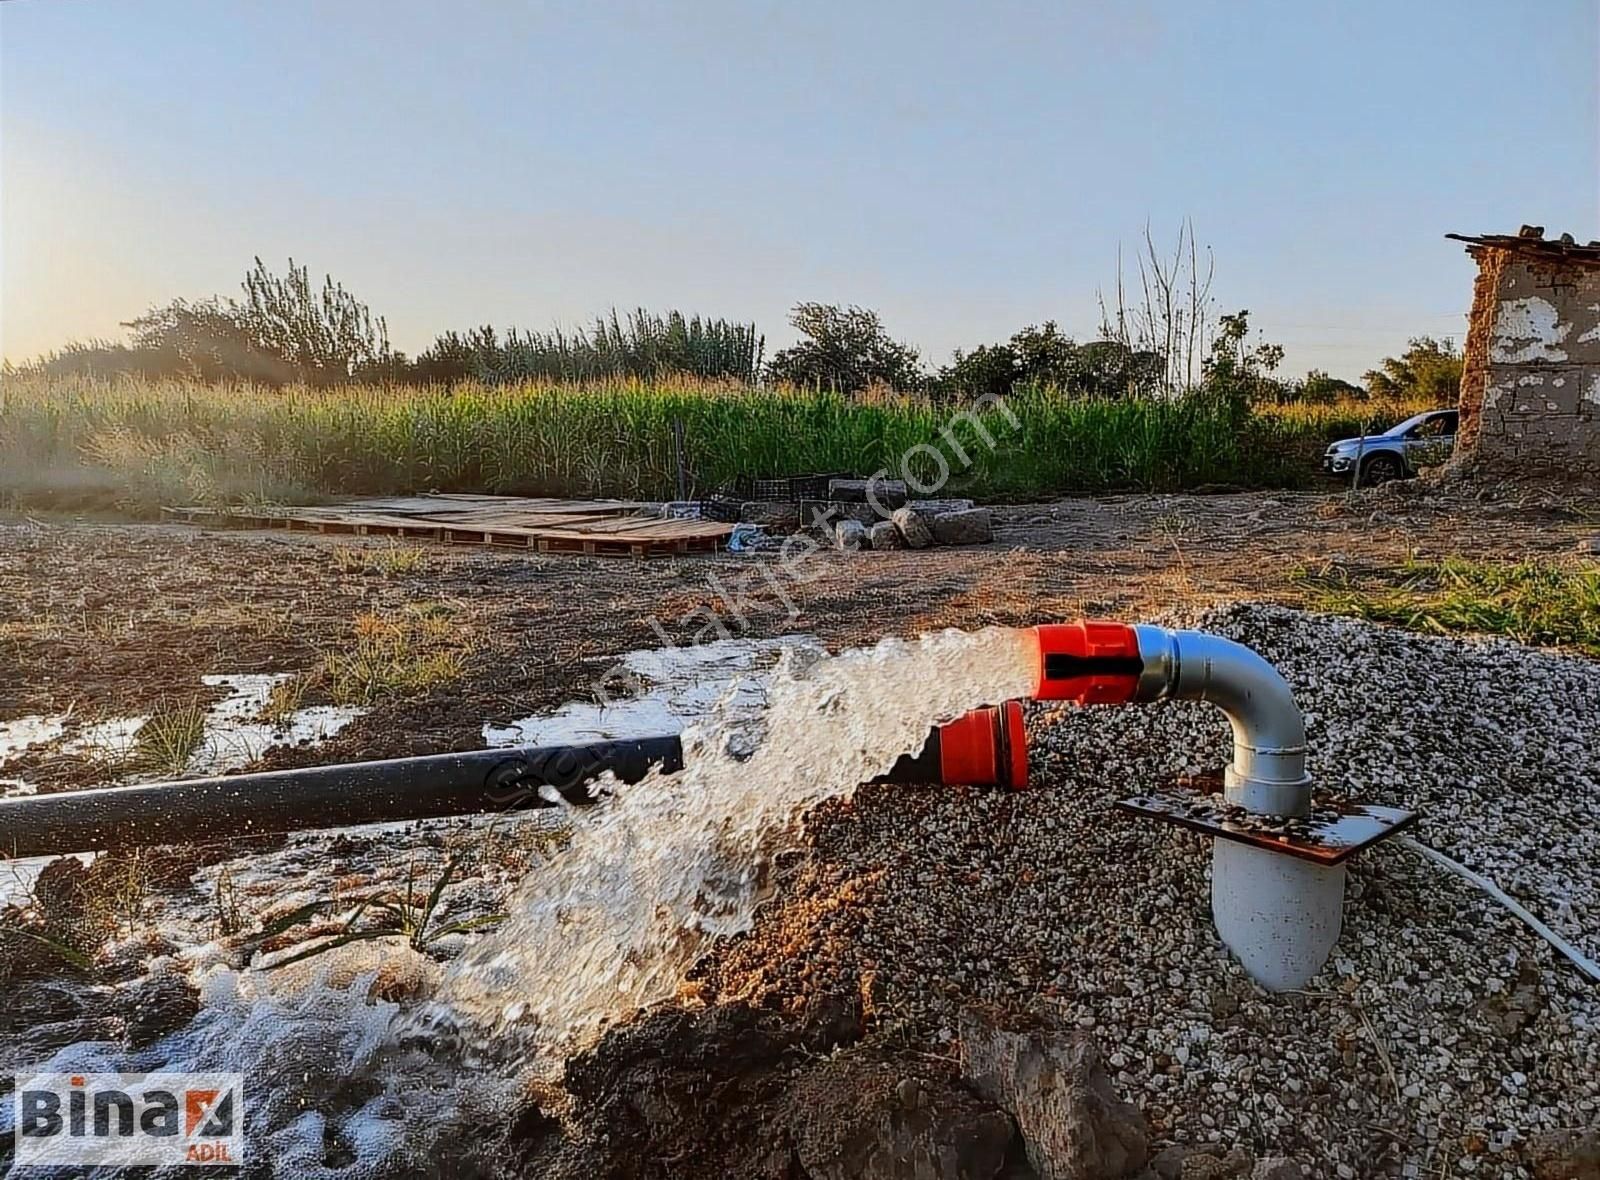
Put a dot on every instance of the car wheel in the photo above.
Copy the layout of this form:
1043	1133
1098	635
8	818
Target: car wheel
1380	468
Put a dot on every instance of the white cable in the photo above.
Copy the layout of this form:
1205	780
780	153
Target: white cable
1585	964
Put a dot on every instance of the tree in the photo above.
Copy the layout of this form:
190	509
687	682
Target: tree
990	370
1044	357
283	331
206	340
1110	368
1171	314
1318	386
322	336
845	349
1428	368
1239	369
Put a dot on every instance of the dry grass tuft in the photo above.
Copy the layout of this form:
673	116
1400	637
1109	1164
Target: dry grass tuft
407	653
284	700
166	742
392	560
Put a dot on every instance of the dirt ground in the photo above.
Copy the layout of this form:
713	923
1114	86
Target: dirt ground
107	619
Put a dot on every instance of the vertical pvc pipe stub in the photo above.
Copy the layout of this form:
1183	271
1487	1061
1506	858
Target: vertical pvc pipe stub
1279	915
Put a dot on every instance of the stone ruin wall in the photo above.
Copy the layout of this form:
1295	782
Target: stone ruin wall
1530	387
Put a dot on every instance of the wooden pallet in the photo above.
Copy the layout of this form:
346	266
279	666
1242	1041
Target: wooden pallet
593	527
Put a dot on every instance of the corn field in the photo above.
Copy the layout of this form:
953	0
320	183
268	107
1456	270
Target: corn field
133	445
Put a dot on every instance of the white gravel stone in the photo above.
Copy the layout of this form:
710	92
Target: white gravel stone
1396	1054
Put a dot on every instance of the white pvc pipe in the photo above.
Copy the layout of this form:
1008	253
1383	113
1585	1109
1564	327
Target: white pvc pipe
1579	960
1280	916
1267	774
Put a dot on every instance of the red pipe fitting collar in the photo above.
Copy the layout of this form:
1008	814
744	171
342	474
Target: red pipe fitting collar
1092	661
985	746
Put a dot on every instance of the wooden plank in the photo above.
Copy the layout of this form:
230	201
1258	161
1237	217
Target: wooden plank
593	528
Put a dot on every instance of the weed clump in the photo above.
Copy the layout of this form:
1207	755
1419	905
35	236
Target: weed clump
381	561
407	653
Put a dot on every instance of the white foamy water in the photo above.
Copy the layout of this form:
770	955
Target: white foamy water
615	919
113	740
234	734
17	735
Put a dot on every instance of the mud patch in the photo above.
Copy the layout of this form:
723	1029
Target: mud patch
737	1091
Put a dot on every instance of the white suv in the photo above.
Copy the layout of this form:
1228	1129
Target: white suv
1397	453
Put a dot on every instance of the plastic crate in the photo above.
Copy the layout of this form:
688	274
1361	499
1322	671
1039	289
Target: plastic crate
794	488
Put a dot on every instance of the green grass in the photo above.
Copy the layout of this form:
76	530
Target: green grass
1548	603
166	742
135	445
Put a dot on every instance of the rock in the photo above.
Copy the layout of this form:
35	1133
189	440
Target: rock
1205	1165
129	959
975	526
49	1002
1167	1164
884	535
887	494
822	515
850	535
854	1118
42	1041
1073	1125
776	516
162	1002
935	507
71	899
28	952
914	527
1565	1155
1509	1012
1277	1167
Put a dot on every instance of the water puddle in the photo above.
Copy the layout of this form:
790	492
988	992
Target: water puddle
674	687
108	741
235	735
17	736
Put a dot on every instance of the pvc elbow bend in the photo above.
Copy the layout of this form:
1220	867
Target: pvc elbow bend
1096	662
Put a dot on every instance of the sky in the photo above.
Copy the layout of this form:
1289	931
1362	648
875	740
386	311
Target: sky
963	168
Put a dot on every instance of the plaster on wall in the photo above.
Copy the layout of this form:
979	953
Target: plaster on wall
1528	330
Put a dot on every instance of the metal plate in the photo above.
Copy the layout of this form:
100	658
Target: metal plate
1330	835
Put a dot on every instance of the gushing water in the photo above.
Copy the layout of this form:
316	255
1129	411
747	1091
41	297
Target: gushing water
610	922
615	919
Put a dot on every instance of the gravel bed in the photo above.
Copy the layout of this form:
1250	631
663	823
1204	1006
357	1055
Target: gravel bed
1444	1038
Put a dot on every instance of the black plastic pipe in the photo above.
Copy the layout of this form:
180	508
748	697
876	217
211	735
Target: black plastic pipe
984	747
212	810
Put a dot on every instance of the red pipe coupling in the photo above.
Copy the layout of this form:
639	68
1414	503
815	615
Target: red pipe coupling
1091	661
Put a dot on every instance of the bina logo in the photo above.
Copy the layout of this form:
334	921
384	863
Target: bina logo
123	1118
